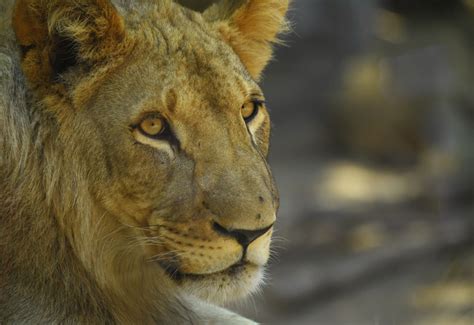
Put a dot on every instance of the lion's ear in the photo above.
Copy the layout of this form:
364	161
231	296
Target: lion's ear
55	35
251	27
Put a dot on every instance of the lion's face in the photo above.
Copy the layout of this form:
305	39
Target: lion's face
179	134
186	137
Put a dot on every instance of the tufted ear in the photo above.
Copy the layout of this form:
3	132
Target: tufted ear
251	27
55	35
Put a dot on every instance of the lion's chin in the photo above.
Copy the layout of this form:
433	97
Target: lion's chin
231	284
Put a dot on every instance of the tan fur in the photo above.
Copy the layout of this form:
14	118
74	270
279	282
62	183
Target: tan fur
99	224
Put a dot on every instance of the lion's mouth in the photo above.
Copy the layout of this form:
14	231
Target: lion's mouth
173	271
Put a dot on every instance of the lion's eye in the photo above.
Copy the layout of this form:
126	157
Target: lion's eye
152	126
250	109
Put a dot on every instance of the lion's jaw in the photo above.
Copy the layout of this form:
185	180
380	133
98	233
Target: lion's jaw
208	264
142	264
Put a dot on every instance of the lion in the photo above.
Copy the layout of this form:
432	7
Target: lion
134	184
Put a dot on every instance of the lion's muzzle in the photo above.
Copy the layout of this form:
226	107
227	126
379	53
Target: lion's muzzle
207	247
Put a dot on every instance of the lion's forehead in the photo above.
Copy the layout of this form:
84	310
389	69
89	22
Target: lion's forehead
179	33
193	83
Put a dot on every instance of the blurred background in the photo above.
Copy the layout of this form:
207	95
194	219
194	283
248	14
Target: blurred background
372	104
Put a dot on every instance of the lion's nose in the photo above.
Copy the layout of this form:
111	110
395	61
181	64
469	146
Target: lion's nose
244	237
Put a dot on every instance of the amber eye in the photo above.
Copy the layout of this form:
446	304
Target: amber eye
249	110
152	126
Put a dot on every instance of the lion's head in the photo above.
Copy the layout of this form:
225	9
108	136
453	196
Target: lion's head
159	133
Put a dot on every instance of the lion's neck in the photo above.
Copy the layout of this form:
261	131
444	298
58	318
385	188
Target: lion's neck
40	276
48	273
58	276
62	276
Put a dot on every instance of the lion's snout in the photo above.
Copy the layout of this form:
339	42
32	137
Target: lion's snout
255	243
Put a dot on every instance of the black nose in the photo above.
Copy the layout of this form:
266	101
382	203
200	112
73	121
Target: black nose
244	237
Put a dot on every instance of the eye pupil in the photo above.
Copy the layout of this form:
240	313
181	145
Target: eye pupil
249	110
152	126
